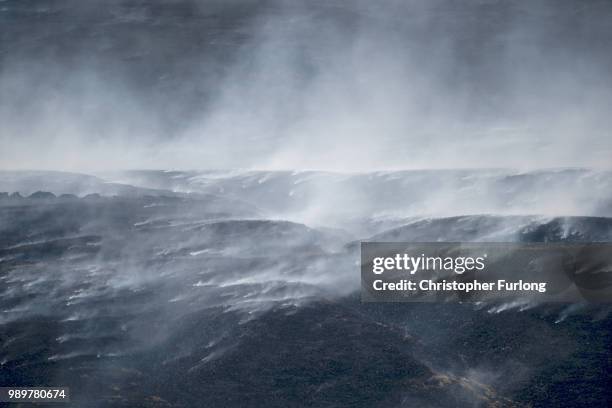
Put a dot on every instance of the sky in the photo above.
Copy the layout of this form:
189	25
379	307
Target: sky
327	85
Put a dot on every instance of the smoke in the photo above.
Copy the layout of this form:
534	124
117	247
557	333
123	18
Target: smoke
343	85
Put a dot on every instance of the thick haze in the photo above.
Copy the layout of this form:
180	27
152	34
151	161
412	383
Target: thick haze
335	85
